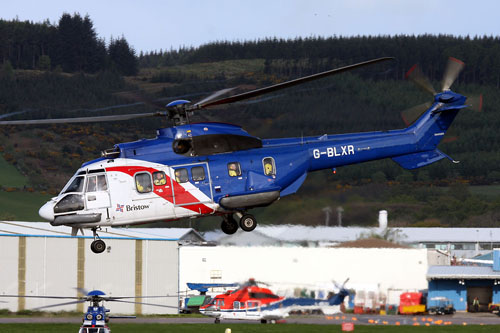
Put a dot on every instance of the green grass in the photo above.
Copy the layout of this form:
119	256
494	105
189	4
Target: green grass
240	328
486	190
10	176
21	206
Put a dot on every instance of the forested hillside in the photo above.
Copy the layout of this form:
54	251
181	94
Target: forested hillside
66	70
70	46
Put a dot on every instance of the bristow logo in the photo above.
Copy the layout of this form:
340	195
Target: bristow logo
119	208
136	207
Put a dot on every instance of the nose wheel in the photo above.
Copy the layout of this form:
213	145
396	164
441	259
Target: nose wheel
98	245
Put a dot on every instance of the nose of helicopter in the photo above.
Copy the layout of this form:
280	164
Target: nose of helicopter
47	211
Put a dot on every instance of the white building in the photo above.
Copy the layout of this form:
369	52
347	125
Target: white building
40	260
387	271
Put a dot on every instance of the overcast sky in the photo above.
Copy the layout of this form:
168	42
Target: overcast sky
155	24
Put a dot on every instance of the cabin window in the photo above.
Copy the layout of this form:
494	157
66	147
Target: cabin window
236	305
198	173
234	169
143	182
181	175
159	178
269	166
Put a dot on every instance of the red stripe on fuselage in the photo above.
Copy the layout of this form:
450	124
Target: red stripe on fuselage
181	195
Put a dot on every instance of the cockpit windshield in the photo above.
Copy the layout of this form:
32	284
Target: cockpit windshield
75	186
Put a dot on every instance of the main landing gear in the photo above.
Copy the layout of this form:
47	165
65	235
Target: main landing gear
98	245
247	222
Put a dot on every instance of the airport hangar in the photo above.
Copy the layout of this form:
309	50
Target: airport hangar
461	284
38	259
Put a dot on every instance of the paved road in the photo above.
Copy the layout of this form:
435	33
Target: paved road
457	319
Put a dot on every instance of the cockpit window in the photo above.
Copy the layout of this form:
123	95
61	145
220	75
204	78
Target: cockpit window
102	185
97	183
76	185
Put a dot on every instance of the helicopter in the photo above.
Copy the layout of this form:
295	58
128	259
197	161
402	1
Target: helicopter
252	302
96	319
193	170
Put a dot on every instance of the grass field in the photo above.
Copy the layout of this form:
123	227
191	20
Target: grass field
241	328
21	206
9	176
486	190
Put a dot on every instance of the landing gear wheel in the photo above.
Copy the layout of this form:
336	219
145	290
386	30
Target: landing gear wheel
229	225
98	246
263	321
248	222
217	321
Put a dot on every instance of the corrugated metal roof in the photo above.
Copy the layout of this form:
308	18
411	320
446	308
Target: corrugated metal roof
300	233
39	229
462	272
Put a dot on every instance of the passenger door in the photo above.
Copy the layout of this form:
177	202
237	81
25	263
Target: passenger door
191	184
97	192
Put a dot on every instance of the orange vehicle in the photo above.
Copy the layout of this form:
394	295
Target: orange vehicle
412	303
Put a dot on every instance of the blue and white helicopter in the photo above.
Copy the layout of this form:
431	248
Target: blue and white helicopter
96	319
192	170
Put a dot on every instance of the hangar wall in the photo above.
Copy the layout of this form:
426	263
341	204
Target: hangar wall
380	269
45	266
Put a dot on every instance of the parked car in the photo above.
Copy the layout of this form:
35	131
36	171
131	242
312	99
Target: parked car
440	306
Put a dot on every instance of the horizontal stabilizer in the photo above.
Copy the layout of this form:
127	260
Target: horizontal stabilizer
418	160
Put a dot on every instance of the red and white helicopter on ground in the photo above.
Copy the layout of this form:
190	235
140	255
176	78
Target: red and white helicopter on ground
251	302
201	169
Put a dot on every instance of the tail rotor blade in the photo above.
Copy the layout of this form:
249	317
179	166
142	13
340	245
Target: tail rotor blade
416	75
453	69
476	102
412	114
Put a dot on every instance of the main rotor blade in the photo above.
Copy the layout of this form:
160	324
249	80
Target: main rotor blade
59	304
215	95
453	69
51	297
287	84
113	298
160	305
416	75
84	119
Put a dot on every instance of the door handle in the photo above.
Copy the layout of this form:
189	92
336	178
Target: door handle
91	198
